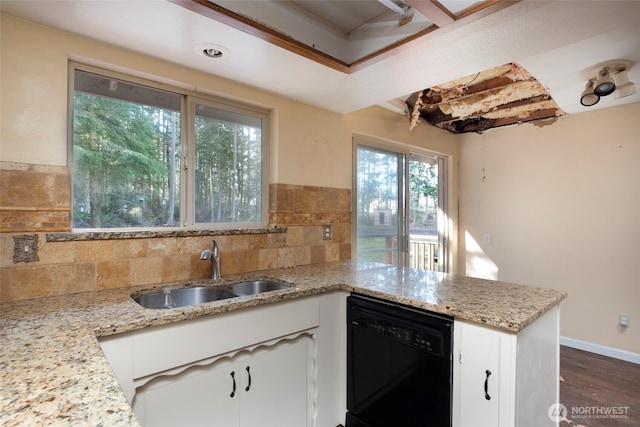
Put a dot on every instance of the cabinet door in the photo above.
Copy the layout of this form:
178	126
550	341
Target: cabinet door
480	376
199	396
280	378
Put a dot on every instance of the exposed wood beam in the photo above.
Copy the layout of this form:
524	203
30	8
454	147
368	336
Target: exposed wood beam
520	109
533	116
480	124
433	10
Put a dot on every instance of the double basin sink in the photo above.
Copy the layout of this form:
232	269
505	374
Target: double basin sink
172	298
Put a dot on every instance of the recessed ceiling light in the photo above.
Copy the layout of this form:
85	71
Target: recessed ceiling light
211	50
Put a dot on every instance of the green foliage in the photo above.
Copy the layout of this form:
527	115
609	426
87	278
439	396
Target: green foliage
127	166
120	163
377	176
423	190
228	172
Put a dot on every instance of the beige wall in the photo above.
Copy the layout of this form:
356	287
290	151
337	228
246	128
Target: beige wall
311	159
561	203
562	207
35	91
34	108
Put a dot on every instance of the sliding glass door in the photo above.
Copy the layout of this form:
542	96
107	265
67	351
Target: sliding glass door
379	205
399	208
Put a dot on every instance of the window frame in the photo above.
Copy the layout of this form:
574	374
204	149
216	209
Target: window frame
404	152
190	96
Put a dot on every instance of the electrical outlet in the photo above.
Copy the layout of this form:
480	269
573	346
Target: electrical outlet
623	320
326	232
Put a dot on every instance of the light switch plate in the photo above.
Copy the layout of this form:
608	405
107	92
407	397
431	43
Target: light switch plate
25	248
623	320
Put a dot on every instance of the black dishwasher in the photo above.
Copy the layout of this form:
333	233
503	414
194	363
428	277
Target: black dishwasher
399	365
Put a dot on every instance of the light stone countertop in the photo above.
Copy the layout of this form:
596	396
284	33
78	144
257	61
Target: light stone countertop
53	371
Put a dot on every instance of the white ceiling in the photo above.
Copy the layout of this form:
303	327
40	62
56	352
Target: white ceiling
347	30
554	40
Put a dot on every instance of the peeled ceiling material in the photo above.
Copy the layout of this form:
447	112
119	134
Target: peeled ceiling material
502	96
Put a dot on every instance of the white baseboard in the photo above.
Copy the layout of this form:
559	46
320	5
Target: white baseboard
616	353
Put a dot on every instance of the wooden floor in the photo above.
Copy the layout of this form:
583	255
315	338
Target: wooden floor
599	391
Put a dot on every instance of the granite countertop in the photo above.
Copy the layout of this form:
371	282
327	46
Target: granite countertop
53	371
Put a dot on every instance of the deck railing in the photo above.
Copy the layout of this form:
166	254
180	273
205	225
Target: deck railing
422	255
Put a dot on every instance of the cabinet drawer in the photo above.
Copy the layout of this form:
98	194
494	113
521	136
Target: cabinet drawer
164	347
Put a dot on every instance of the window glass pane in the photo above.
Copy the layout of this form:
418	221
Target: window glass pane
399	208
377	206
423	212
126	154
228	170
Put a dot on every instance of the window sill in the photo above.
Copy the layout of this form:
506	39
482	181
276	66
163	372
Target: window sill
121	235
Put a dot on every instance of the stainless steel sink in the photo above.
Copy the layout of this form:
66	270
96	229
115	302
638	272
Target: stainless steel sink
256	287
171	298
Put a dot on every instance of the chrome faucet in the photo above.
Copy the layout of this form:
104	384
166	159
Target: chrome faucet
214	256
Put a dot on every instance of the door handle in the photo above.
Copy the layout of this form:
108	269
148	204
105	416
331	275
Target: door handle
233	378
249	374
486	385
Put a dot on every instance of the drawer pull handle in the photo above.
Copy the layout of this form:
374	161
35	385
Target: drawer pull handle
233	377
248	385
486	385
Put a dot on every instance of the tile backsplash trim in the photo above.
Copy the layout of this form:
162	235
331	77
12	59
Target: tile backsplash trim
34	198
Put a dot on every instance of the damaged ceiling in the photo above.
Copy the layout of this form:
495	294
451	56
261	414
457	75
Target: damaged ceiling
365	31
350	68
501	96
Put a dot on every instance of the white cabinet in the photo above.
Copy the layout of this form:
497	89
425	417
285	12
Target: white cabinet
483	361
268	386
295	351
180	373
197	397
503	379
280	386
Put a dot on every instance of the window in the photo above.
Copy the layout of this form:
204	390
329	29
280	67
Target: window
149	156
399	206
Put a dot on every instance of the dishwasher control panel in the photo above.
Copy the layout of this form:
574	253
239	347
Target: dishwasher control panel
423	338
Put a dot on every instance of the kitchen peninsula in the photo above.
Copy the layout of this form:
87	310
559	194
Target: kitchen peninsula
53	370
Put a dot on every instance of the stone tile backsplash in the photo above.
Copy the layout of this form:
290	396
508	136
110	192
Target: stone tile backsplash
34	198
71	266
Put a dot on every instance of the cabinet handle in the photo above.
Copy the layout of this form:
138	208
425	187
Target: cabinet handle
233	377
248	385
486	385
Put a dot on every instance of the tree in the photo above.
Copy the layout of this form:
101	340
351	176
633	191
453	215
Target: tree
119	172
228	171
423	184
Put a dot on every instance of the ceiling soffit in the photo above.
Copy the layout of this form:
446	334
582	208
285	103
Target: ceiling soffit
501	96
367	31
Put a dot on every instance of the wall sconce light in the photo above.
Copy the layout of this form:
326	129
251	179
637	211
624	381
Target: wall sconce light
604	79
588	97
